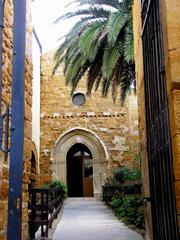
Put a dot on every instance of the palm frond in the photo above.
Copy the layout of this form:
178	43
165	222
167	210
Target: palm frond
116	79
125	6
72	50
72	14
110	3
129	46
110	59
94	72
127	79
57	64
114	89
116	23
93	50
60	54
77	78
78	27
91	12
68	63
60	51
103	35
99	12
98	81
105	87
89	36
73	69
101	45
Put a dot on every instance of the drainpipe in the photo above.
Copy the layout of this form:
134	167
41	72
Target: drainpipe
14	229
37	39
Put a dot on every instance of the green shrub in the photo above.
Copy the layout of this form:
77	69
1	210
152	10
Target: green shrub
117	202
109	190
128	209
139	221
124	174
120	175
57	184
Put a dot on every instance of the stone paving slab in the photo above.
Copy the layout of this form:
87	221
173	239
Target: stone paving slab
90	219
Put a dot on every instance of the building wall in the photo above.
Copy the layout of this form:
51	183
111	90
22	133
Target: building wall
113	124
36	54
6	99
171	27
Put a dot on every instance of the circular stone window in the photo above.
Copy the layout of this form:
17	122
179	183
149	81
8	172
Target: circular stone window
78	99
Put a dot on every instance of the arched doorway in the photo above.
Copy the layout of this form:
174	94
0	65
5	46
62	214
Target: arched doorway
87	142
79	171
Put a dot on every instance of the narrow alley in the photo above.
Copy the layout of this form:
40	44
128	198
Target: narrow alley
89	120
89	219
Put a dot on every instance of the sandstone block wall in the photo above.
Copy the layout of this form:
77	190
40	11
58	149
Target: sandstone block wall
113	124
171	26
171	30
6	99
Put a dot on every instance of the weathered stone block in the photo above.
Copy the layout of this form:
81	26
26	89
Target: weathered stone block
177	187
176	156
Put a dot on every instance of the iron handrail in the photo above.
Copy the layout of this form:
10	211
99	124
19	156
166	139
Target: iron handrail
44	206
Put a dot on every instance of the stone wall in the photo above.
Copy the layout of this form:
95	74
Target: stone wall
171	27
6	99
113	124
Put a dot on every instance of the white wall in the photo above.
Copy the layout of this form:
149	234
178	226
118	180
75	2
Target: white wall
36	95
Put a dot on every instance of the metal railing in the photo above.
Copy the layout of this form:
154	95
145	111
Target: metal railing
44	206
133	188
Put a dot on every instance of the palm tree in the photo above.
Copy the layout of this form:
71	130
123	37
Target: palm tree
99	45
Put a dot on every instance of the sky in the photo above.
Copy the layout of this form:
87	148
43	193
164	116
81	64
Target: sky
44	13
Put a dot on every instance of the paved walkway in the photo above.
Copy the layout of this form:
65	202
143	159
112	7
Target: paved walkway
89	219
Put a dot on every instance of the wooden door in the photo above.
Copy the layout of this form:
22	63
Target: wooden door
88	177
80	171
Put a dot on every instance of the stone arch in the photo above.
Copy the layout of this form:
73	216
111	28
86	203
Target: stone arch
95	145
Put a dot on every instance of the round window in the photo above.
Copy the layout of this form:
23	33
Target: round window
78	99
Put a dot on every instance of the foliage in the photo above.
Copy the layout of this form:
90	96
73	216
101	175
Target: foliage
57	184
129	209
120	175
117	202
100	46
125	174
110	189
